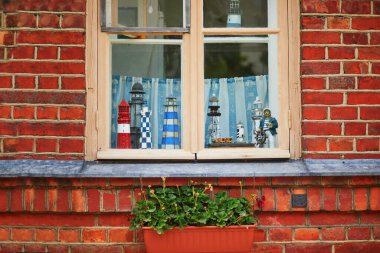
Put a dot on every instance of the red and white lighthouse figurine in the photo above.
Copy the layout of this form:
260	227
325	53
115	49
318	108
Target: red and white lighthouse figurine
124	126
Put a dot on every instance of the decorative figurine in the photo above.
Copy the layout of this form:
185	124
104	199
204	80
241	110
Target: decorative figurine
268	125
170	135
257	115
146	138
234	14
240	133
123	126
213	112
136	103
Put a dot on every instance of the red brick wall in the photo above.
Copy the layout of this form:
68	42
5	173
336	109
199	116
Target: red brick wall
42	79
92	215
340	78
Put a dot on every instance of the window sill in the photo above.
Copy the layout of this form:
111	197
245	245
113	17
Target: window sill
83	169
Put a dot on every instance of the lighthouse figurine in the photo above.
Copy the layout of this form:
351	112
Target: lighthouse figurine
123	126
213	112
234	14
240	133
170	133
136	104
146	137
257	115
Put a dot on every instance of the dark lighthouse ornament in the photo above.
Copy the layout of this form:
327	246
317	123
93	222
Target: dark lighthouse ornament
136	104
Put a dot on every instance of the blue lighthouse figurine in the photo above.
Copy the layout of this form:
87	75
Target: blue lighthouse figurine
170	133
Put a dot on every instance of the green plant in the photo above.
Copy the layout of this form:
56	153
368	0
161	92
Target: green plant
166	207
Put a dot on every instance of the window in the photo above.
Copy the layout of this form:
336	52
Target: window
208	80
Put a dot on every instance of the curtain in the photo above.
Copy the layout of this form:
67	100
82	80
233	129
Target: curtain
236	96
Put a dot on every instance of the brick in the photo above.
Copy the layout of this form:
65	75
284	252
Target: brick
308	248
121	181
355	67
316	6
230	181
345	199
370	53
259	235
49	219
5	81
361	23
57	248
9	38
358	233
355	128
28	199
376	233
310	128
324	98
363	98
314	199
48	82
345	113
373	128
100	249
72	113
313	53
4	234
24	112
341	52
314	144
25	82
342	82
269	199
376	7
320	68
52	197
21	52
314	113
20	234
114	219
47	113
267	248
338	23
356	7
34	248
280	234
284	181
335	181
360	199
69	235
363	180
50	37
109	200
45	235
369	83
362	247
93	200
375	39
48	20
16	199
39	200
283	199
341	144
71	146
42	67
355	38
121	235
94	235
125	200
332	218
5	112
3	202
78	200
313	22
333	234
374	200
306	234
21	20
72	53
320	38
47	53
367	144
282	219
18	145
73	21
73	83
313	83
361	156
370	218
329	199
50	129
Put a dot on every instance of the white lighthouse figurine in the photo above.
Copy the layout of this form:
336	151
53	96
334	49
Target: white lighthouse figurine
146	135
234	14
240	133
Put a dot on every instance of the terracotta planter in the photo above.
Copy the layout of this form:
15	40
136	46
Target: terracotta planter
209	239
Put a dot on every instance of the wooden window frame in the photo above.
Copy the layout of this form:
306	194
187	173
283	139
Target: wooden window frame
97	56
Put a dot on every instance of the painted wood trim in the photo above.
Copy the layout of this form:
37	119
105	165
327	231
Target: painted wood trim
91	80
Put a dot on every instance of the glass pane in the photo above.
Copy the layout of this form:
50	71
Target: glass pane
238	91
146	94
145	13
235	13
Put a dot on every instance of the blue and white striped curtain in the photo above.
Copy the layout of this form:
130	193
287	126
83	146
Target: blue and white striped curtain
236	97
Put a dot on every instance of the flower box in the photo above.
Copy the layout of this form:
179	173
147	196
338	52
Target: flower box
204	239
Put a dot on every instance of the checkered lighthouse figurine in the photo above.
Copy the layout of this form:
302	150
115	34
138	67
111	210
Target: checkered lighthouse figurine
146	135
170	133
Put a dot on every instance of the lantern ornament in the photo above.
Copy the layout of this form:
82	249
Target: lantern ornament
240	133
234	14
170	133
214	114
257	115
136	104
123	126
